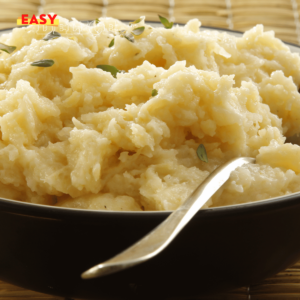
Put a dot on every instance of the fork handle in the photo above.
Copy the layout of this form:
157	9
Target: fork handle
161	236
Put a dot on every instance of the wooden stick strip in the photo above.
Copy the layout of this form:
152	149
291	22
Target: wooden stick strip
247	5
202	6
254	1
69	5
127	15
280	12
195	10
9	290
224	296
138	9
283	24
204	22
257	3
207	18
197	4
96	2
285	276
260	19
281	30
16	13
4	25
275	288
275	297
9	16
202	18
78	14
284	280
55	7
220	24
19	6
139	2
34	2
288	272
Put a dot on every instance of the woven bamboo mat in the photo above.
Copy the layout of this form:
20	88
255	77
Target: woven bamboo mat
282	16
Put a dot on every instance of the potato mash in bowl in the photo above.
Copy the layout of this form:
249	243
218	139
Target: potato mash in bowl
114	121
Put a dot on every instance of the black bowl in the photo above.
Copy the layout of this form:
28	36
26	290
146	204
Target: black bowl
47	248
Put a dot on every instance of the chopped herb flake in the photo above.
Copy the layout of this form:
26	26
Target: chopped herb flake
154	92
111	69
52	35
129	37
97	21
7	49
126	35
43	63
138	31
136	21
112	42
201	152
165	22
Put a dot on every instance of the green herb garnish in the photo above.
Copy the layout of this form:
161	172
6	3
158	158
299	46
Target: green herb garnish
201	152
112	42
97	21
154	92
111	69
138	31
165	22
126	35
52	36
43	63
136	21
7	49
129	37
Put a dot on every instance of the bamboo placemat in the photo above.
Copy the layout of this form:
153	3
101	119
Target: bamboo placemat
282	16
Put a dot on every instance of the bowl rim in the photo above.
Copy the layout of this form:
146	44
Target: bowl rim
48	211
159	23
55	212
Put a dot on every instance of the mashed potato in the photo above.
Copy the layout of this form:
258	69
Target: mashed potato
73	135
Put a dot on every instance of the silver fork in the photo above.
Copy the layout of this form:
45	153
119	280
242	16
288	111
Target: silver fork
160	237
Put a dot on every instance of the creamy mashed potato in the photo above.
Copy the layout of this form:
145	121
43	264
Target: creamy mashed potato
73	135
